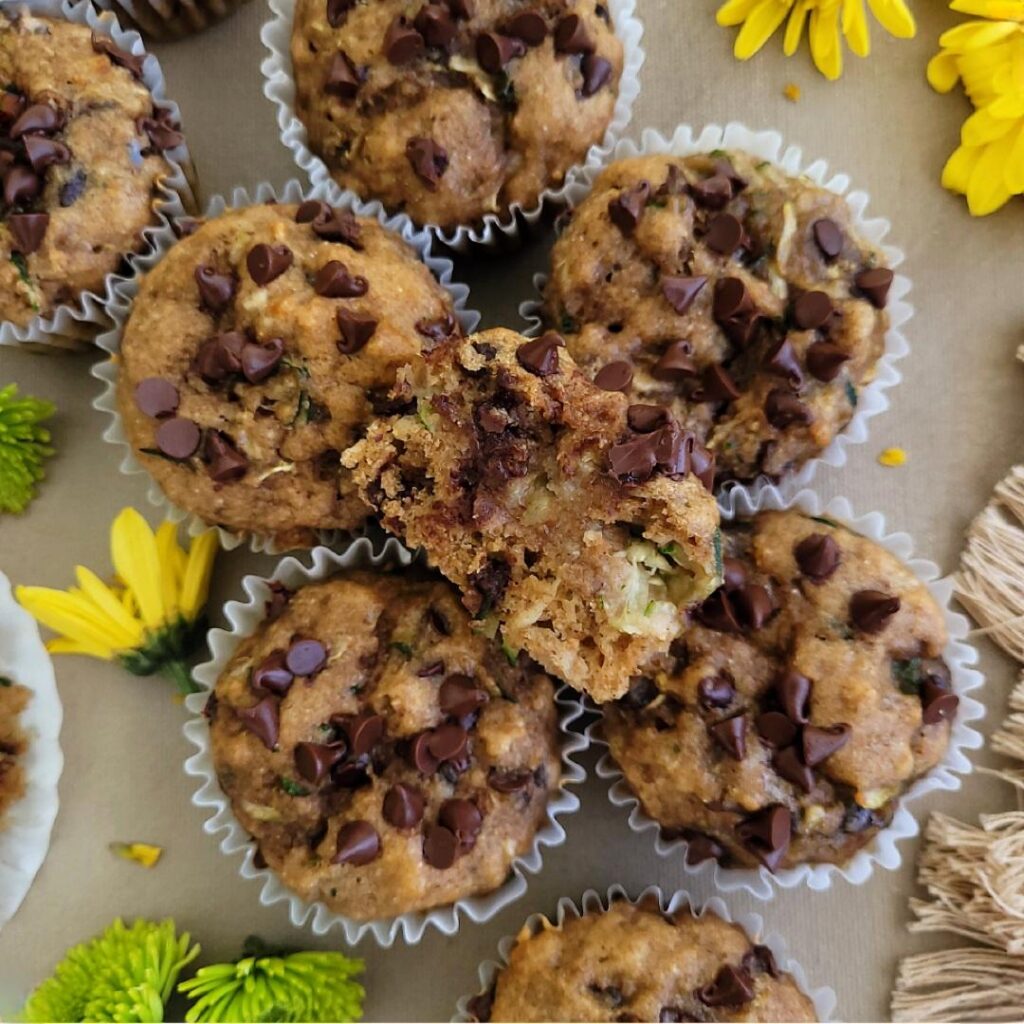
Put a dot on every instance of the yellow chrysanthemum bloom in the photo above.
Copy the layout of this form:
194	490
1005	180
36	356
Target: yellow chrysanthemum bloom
829	23
150	618
988	58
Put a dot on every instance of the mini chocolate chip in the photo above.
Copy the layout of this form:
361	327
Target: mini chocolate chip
681	291
351	775
402	43
419	753
776	729
266	263
529	26
642	690
794	691
220	356
857	819
448	742
435	24
783	409
626	209
782	361
356	331
732	986
824	360
733	309
306	657
482	1006
717	612
754	604
731	735
818	556
494	50
761	960
224	462
429	160
129	61
156	397
314	761
364	732
675	364
460	695
260	361
725	234
874	285
571	36
938	704
463	819
334	281
162	131
39	117
343	77
42	152
280	595
403	806
766	834
700	848
177	438
788	764
645	418
20	185
11	105
871	610
702	466
632	461
358	844
28	231
734	573
540	356
215	290
597	73
812	310
271	675
725	168
712	193
820	743
715	692
330	223
440	847
716	385
509	781
828	236
337	11
439	329
262	721
616	376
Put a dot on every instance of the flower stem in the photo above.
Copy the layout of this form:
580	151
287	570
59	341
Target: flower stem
180	673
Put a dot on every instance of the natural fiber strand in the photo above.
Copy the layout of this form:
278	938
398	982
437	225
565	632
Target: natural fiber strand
975	881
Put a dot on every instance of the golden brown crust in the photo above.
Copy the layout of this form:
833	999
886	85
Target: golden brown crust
102	197
873	687
393	645
290	426
505	476
13	744
506	136
607	295
634	963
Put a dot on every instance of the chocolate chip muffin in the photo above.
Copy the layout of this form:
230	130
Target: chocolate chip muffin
258	350
13	743
81	158
740	298
576	527
453	109
636	963
806	695
383	754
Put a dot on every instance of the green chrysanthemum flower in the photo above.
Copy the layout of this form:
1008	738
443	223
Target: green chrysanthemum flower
24	444
307	986
125	974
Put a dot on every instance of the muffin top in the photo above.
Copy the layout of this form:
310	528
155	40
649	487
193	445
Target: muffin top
577	529
256	352
383	754
735	295
805	696
454	109
81	158
636	963
13	743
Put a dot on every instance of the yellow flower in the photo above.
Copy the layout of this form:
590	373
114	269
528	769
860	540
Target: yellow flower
830	22
150	618
892	457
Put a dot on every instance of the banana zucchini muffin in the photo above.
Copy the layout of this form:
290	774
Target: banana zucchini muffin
383	754
453	109
576	526
13	744
807	694
81	159
258	349
737	296
637	963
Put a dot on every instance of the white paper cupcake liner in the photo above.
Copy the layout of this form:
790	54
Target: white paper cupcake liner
592	902
25	833
493	231
74	325
171	19
244	618
883	849
769	145
124	295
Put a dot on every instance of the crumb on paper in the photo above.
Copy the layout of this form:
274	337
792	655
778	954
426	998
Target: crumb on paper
792	92
892	457
141	853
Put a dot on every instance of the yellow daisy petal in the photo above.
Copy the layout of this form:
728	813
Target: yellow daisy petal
974	34
892	457
795	27
62	645
133	552
195	586
824	36
170	566
130	629
72	617
943	72
141	853
734	12
997	10
1015	164
895	17
759	25
956	175
987	190
855	27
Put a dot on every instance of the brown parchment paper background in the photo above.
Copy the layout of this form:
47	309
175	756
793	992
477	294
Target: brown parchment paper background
959	414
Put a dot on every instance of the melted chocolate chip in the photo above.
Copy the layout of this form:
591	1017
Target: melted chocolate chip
700	848
463	819
43	152
459	695
716	385
783	410
509	781
540	356
615	376
732	986
717	612
356	331
39	117
271	676
330	223
343	77
715	692
21	185
597	73
27	231
334	281
776	729
820	743
645	418
129	61
712	193
429	160
261	361
626	209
